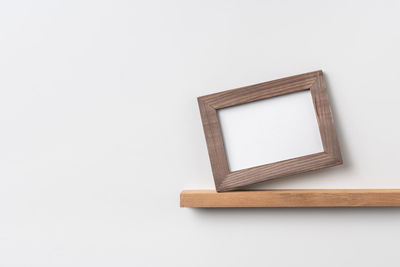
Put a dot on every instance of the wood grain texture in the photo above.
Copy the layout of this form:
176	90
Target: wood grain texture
226	180
291	198
325	119
215	143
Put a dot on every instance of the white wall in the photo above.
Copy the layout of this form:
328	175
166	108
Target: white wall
100	130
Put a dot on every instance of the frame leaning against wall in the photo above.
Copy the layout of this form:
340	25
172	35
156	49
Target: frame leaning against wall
224	179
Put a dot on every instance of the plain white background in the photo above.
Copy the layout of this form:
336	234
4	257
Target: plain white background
100	130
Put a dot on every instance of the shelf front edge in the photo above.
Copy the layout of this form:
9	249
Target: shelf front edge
291	198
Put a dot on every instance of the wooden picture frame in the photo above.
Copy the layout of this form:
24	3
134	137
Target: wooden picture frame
224	179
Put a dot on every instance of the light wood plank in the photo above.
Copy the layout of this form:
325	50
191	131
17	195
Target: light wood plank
291	198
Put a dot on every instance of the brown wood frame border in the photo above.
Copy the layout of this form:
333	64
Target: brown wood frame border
226	180
294	198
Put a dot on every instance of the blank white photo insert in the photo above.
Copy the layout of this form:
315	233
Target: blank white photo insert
270	130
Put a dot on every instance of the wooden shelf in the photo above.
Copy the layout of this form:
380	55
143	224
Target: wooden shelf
291	198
